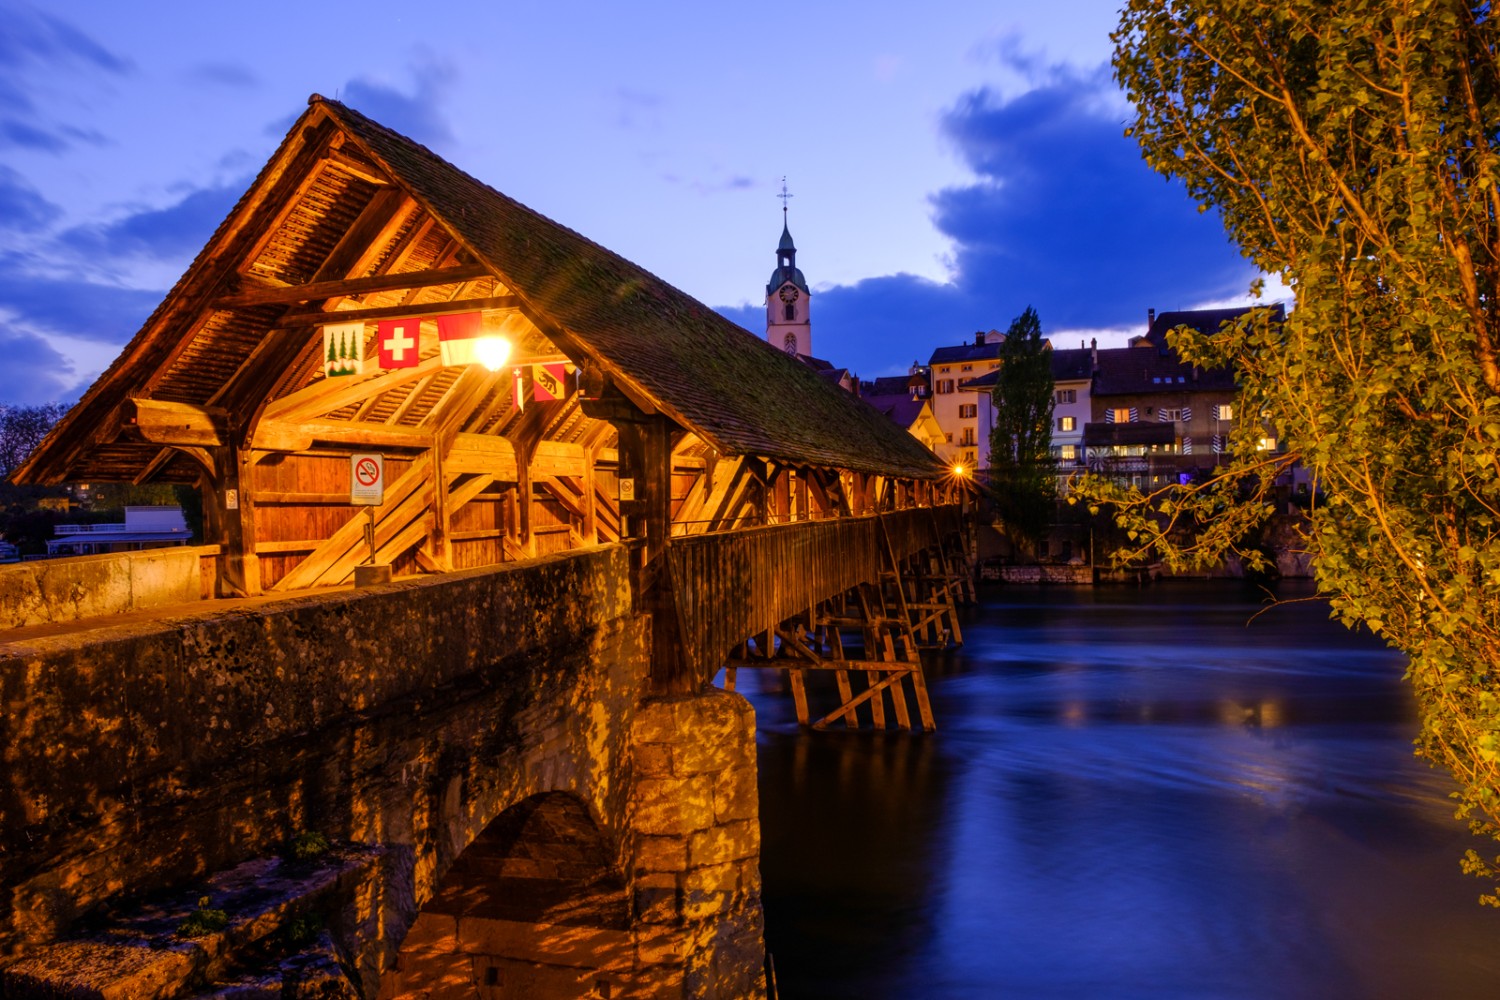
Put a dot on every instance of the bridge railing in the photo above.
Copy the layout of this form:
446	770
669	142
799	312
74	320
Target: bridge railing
730	585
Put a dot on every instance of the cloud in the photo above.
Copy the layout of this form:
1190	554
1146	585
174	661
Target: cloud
233	75
35	46
22	208
71	307
417	115
1062	215
175	232
34	372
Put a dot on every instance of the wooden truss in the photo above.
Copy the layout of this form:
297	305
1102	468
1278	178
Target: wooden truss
873	632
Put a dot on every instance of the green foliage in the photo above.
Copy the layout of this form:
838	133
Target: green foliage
299	932
1351	148
307	846
1020	461
203	921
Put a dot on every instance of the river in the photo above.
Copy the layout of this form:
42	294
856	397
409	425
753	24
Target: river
1133	793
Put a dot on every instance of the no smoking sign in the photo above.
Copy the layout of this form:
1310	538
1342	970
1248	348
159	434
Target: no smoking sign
367	479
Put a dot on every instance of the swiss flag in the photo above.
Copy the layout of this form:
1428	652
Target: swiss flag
399	341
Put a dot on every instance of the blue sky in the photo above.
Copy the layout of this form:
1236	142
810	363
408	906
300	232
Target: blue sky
949	165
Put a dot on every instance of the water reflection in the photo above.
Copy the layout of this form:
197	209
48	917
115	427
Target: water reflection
1131	794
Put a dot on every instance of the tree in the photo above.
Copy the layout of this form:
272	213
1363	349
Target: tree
22	429
1352	149
1020	457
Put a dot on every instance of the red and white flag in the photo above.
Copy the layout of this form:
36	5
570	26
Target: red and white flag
547	381
400	341
458	338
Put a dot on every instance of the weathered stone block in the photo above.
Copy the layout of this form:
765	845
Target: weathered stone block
653	760
709	891
551	944
661	854
659	947
726	842
736	795
435	931
100	970
673	807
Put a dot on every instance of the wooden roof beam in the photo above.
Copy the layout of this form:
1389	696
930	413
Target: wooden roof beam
327	395
289	294
182	424
317	317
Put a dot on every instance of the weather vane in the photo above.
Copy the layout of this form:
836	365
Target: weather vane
784	195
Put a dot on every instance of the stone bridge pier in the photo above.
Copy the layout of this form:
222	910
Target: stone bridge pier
511	813
542	904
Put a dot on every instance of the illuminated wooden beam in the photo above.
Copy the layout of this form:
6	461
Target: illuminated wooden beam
317	317
167	423
291	294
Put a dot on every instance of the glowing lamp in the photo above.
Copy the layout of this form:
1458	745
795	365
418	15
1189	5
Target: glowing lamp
958	470
492	351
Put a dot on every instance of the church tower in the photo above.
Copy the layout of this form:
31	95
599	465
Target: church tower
788	327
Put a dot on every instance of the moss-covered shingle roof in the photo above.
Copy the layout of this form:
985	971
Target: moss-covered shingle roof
732	388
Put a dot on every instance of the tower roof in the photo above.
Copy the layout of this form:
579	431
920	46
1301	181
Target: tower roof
786	243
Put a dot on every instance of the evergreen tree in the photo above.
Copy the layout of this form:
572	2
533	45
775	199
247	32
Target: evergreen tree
1021	467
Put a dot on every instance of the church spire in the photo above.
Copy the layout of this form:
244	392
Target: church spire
787	294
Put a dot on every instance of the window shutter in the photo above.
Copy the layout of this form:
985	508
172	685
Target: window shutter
1134	415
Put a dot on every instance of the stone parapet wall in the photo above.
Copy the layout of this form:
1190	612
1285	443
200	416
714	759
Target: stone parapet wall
407	716
61	590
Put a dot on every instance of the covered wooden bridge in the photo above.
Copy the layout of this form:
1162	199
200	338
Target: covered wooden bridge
760	501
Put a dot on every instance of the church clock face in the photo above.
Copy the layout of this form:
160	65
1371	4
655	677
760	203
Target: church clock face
789	294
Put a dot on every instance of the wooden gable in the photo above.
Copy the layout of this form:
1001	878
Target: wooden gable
224	386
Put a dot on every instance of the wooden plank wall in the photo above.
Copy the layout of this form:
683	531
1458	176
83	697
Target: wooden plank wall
730	585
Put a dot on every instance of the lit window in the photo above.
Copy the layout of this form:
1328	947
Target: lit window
1069	453
1122	415
1224	411
945	385
965	368
1266	444
1066	423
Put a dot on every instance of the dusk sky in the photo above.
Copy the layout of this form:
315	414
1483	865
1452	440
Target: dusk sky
950	164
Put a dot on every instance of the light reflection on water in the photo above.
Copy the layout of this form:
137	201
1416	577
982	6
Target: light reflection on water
1132	794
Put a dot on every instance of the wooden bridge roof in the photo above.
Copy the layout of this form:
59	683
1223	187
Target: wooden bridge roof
343	212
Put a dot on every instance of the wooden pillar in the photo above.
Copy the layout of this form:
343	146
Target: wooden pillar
234	502
646	458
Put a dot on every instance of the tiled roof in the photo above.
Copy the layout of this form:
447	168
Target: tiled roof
1129	370
728	385
889	385
1072	364
899	408
1203	320
965	352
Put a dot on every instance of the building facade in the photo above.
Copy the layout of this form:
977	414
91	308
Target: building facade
957	411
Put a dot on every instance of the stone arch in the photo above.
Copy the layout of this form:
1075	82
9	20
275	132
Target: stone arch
534	907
